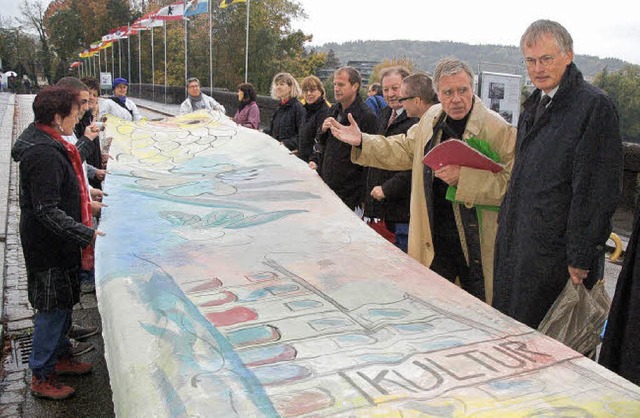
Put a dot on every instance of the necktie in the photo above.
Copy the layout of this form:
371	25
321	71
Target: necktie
542	106
393	117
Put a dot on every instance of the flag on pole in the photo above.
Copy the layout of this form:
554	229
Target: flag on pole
106	45
146	22
75	64
108	38
174	11
226	3
120	33
130	31
195	7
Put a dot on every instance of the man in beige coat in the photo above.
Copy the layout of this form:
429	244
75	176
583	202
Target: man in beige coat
463	243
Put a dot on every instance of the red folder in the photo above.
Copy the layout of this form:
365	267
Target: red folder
457	152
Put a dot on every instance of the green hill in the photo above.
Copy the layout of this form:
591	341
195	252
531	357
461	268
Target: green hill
425	54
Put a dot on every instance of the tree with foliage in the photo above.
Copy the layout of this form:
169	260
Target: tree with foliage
65	36
332	60
273	46
69	26
624	89
18	50
405	62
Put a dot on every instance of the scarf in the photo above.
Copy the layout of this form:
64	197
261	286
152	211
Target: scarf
85	200
198	102
244	102
315	106
122	99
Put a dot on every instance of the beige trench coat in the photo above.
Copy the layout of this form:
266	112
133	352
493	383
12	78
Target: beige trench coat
475	187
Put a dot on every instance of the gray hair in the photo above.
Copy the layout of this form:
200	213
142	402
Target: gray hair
290	80
450	66
401	70
420	85
191	80
540	28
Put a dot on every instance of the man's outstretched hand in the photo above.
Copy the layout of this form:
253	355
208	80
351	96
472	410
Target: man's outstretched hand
349	134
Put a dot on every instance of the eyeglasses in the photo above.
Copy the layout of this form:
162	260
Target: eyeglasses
194	86
309	90
403	99
545	61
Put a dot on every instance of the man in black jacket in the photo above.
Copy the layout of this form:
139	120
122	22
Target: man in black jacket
345	178
566	182
388	192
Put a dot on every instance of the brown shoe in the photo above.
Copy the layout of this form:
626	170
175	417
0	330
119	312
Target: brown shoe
50	388
67	365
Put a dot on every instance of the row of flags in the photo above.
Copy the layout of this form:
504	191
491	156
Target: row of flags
175	11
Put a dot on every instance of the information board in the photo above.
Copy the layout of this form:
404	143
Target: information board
501	93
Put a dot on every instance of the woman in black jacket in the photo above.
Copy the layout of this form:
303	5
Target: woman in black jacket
55	231
317	109
287	119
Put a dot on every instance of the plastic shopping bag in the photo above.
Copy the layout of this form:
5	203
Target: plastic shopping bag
576	318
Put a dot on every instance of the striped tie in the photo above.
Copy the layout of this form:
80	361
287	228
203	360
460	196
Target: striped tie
393	117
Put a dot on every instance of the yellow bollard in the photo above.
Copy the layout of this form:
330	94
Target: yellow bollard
618	251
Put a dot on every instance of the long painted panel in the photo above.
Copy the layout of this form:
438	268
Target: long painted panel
233	282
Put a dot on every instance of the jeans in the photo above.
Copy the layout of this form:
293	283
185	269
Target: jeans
88	276
49	341
402	236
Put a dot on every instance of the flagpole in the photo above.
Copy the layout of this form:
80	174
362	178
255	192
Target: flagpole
129	53
165	61
139	62
119	58
246	45
186	46
153	68
210	3
113	61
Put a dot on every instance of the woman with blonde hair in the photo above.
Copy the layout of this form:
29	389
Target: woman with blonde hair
288	117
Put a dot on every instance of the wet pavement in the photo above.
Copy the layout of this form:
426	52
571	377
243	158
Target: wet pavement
93	392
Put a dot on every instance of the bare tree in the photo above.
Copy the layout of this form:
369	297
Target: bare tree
33	17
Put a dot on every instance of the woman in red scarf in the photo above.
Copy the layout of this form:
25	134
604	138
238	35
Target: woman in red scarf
55	230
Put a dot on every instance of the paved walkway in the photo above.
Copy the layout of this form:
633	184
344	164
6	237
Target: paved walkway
93	392
166	109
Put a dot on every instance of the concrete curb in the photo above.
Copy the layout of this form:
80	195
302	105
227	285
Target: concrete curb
6	135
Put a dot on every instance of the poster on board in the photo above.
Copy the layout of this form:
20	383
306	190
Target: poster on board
501	92
105	81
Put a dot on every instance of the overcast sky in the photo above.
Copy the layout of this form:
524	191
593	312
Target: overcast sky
607	29
604	29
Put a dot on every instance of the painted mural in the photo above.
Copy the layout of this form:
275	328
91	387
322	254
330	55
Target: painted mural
233	282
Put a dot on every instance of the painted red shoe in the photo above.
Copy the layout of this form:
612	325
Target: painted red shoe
50	388
67	365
